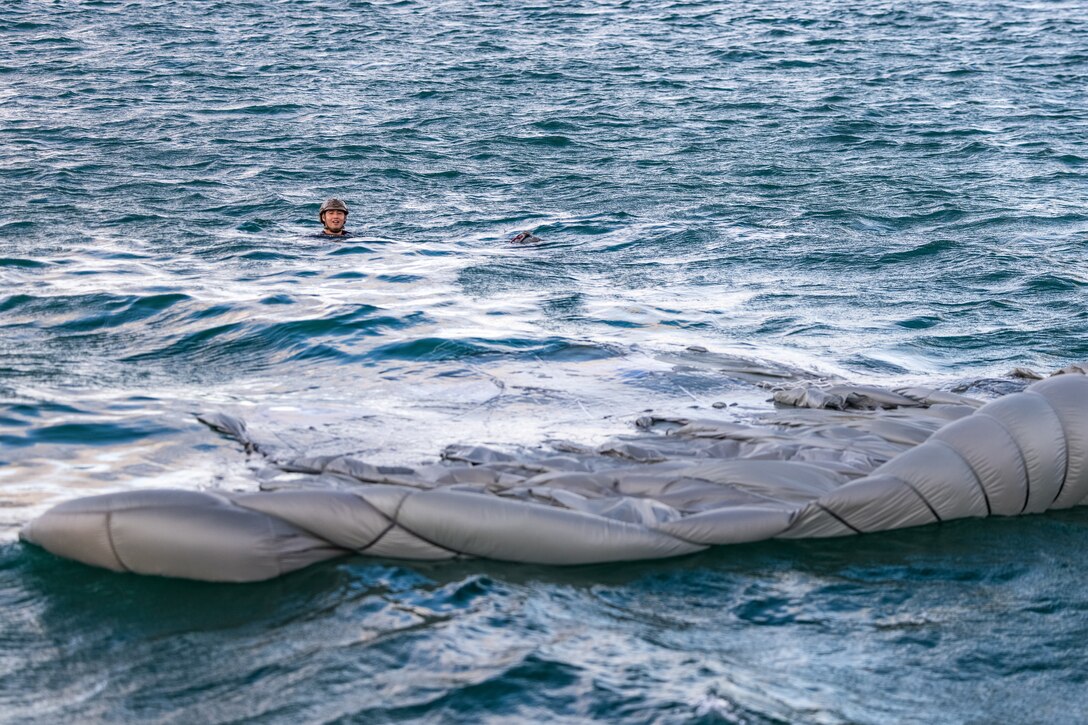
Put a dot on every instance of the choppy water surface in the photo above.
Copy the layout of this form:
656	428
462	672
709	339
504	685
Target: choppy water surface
886	192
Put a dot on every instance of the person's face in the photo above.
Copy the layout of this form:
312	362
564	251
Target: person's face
334	220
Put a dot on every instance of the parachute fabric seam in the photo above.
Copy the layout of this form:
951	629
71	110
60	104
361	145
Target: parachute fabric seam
974	473
1023	458
918	493
271	536
392	521
424	539
1068	448
838	518
109	538
656	530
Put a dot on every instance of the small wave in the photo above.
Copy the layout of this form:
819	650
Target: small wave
401	278
258	109
551	141
1008	219
923	322
554	126
738	55
840	138
1050	282
248	345
929	249
50	311
122	311
23	263
82	434
264	256
975	148
350	249
438	348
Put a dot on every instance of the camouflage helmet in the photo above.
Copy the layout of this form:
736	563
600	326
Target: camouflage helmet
333	204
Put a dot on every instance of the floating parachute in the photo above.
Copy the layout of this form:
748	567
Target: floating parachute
850	460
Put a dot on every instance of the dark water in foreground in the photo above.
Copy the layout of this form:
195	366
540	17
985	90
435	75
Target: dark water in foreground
972	622
891	193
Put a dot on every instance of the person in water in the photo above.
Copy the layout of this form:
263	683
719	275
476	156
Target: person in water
333	216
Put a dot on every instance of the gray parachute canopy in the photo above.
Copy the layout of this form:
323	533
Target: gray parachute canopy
851	460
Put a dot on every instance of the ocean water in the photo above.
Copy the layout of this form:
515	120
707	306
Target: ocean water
891	193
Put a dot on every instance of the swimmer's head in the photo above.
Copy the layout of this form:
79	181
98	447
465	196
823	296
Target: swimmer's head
333	215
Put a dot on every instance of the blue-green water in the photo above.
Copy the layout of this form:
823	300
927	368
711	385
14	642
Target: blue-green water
893	193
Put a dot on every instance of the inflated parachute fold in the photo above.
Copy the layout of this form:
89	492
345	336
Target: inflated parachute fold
1021	454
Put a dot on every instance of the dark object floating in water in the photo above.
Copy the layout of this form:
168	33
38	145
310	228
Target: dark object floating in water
850	460
525	238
